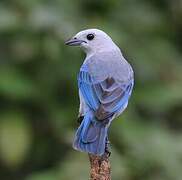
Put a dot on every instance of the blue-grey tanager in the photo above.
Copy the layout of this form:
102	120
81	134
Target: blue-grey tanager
105	83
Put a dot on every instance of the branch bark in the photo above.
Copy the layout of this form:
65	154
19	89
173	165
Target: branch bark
100	167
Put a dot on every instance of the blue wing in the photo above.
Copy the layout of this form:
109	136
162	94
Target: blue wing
105	98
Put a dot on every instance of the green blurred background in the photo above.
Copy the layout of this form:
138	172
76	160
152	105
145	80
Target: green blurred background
39	97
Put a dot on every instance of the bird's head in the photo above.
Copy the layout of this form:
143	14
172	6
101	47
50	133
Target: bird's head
92	40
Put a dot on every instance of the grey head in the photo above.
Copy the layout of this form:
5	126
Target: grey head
92	40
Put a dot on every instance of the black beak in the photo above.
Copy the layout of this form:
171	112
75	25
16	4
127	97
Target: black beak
74	42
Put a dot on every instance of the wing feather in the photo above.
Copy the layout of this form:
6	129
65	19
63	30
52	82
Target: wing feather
106	97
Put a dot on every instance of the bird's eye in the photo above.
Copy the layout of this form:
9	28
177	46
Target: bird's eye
90	37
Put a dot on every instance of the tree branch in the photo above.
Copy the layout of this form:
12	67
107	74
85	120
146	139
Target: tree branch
100	167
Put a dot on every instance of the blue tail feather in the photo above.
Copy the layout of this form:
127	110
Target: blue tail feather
91	136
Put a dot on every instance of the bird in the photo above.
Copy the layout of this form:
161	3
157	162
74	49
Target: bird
105	84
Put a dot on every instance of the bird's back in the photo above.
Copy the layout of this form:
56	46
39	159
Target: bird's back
108	64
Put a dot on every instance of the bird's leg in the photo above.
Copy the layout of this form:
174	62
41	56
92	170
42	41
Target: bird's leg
107	147
80	119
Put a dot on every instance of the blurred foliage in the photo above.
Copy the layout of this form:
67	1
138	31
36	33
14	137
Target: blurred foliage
38	88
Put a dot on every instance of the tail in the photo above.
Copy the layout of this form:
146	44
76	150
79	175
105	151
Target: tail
91	135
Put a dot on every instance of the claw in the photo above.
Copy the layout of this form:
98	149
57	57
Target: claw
108	153
107	148
80	119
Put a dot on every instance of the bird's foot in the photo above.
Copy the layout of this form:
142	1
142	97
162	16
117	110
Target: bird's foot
108	152
107	149
80	119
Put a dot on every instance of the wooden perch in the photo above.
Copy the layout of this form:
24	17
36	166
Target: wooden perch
100	167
